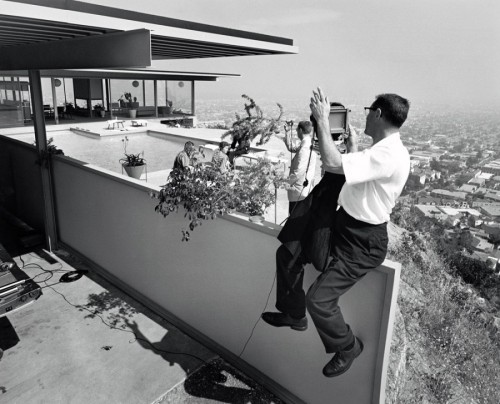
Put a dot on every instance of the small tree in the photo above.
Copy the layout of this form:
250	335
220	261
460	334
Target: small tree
255	125
205	192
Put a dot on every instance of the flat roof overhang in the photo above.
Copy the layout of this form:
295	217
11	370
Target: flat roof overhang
26	25
50	35
132	74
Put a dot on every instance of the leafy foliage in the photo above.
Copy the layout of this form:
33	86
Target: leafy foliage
133	160
452	340
205	192
44	158
255	125
130	159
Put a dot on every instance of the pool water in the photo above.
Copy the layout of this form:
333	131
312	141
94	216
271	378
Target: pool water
106	152
159	153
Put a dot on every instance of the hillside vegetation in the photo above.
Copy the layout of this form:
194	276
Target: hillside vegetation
446	344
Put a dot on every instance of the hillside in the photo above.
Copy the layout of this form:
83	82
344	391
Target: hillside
446	342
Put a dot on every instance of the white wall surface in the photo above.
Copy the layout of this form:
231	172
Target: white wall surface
218	282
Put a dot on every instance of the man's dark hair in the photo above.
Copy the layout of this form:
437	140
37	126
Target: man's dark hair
394	108
306	126
223	144
188	146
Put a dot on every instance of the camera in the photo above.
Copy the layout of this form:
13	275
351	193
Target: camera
339	122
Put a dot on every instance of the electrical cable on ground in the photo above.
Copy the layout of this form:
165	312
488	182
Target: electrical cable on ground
71	276
94	313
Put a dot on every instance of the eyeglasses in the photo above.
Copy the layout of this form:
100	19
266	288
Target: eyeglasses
368	109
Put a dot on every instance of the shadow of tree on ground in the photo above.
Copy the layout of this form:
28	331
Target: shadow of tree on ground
111	308
207	379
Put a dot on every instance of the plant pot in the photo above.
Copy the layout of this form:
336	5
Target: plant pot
103	113
168	110
134	171
132	113
256	219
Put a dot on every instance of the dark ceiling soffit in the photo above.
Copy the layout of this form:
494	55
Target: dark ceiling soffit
16	30
125	75
171	47
153	19
119	49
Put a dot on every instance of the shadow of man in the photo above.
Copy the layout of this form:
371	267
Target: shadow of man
203	379
173	348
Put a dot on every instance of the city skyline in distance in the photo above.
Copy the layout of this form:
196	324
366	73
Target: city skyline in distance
441	52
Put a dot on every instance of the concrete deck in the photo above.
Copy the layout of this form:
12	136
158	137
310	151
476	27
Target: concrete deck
87	342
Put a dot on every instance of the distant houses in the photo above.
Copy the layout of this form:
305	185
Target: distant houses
487	193
492	212
477	181
443	193
468	188
482	224
493	167
467	199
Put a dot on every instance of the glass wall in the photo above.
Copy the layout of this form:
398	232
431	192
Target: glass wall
179	95
174	97
78	97
14	101
120	90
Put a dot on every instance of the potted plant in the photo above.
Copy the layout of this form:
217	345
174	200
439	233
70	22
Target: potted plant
133	164
98	108
45	157
128	104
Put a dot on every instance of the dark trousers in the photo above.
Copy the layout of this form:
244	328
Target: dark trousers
235	153
292	205
356	248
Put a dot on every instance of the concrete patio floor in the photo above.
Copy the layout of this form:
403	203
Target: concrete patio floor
87	342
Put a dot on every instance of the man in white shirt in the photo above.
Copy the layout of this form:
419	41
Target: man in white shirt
302	166
374	179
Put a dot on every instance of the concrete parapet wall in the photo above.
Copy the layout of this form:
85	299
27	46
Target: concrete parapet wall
217	284
21	182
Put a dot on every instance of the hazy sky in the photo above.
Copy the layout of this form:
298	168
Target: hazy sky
444	51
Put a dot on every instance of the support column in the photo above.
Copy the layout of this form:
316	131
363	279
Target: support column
143	93
45	169
13	80
193	111
108	96
110	99
166	93
156	97
54	100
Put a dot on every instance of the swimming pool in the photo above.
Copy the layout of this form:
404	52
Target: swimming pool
160	150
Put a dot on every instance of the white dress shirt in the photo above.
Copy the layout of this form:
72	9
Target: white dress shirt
375	178
299	171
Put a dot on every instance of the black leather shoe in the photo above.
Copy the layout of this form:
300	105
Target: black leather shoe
342	360
284	320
